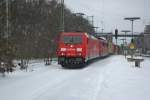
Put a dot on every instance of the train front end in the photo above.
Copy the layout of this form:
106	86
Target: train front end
71	49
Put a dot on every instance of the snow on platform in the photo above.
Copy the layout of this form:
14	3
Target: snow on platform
112	78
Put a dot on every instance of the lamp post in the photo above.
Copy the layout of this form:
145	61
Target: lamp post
92	19
132	19
80	18
80	15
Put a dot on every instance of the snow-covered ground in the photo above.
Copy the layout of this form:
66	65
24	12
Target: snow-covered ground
112	78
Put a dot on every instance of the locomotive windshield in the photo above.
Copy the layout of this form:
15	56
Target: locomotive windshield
72	39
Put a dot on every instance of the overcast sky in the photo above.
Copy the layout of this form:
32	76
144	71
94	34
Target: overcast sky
110	14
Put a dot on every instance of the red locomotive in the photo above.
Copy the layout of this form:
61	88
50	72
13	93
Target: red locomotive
77	48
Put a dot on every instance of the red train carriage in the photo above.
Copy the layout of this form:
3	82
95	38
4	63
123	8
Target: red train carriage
103	47
76	48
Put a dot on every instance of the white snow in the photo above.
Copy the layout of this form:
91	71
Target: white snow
112	78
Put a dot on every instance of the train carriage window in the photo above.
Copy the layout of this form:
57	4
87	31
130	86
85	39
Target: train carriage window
72	39
77	39
68	39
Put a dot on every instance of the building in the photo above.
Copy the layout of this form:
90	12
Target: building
147	38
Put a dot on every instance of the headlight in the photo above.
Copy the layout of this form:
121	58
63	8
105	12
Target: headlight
79	54
62	54
62	49
79	49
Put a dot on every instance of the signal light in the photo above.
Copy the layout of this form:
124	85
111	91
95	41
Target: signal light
116	33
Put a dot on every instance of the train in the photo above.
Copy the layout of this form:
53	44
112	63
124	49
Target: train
76	49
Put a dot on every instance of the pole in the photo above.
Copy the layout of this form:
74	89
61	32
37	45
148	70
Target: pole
93	20
132	51
132	28
125	37
62	16
7	20
132	19
116	47
125	45
102	30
